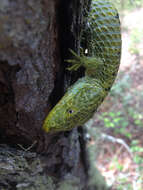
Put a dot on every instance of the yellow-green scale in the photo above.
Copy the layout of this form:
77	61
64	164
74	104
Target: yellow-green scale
83	98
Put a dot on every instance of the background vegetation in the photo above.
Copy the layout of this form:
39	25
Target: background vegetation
120	117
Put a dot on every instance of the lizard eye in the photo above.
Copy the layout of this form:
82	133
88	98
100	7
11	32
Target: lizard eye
70	111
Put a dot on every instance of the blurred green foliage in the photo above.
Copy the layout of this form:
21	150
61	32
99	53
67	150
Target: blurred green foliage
124	119
128	5
136	37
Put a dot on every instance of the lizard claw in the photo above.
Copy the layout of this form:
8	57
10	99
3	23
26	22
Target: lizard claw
77	61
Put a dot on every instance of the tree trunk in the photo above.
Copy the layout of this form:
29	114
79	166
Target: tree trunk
35	36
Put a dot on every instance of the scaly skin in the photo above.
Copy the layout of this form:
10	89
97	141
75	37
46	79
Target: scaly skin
83	98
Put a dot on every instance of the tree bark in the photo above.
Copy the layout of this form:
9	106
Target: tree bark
35	36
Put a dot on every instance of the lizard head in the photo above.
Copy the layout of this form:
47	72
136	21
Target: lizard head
64	116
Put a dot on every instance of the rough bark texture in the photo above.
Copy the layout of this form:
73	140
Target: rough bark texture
35	36
29	60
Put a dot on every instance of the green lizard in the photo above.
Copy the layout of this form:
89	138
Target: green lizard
83	98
